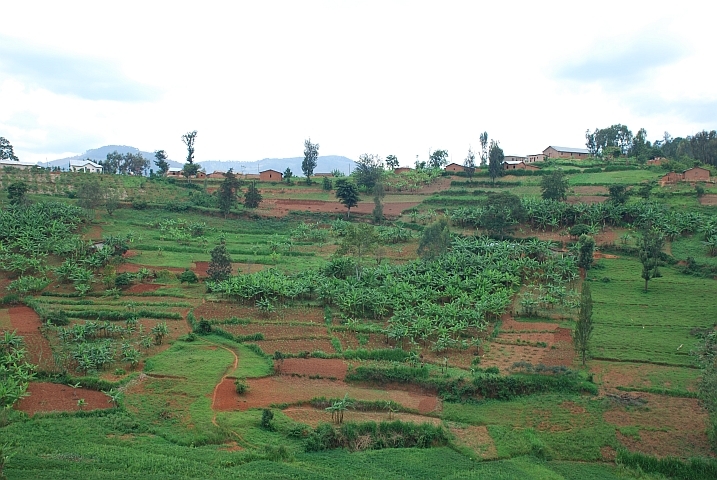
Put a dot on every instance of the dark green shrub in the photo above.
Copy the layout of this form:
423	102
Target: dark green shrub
123	280
267	416
188	276
204	327
57	317
242	387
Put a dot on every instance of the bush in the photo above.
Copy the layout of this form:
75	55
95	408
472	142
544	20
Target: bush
188	276
267	416
204	327
57	317
373	436
123	280
242	387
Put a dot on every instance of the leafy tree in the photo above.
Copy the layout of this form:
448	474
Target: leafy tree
311	158
502	212
220	266
6	150
554	186
438	159
190	170
483	149
584	325
469	164
113	162
189	138
495	160
17	193
359	240
134	163
586	247
617	135
227	192
161	162
188	276
369	169
641	147
112	201
618	194
252	198
347	193
287	175
435	241
327	184
378	194
650	243
645	190
89	194
392	162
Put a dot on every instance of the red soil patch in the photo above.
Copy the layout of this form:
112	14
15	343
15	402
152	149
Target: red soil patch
509	325
143	287
586	199
53	397
668	426
279	331
266	391
708	199
281	207
130	253
598	255
327	368
590	190
296	346
200	268
624	374
226	310
27	323
313	417
94	233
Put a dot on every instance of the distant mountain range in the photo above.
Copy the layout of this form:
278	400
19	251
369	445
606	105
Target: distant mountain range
325	164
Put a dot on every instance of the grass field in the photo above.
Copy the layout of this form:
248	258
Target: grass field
652	326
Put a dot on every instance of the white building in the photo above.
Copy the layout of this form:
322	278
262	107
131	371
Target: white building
85	166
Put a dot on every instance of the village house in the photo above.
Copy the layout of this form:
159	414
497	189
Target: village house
694	174
216	174
518	165
270	176
538	157
174	172
454	167
85	166
19	164
565	152
515	158
401	170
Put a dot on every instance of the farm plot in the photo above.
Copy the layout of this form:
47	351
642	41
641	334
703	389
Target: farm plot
54	397
653	326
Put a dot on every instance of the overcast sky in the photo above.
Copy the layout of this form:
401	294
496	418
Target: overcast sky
387	77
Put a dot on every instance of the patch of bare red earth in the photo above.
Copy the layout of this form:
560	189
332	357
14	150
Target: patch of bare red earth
668	426
27	323
279	389
226	310
143	288
136	267
708	199
54	397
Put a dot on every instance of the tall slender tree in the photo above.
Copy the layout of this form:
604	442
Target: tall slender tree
189	138
227	192
311	158
483	149
469	164
650	243
252	198
584	325
220	266
495	156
